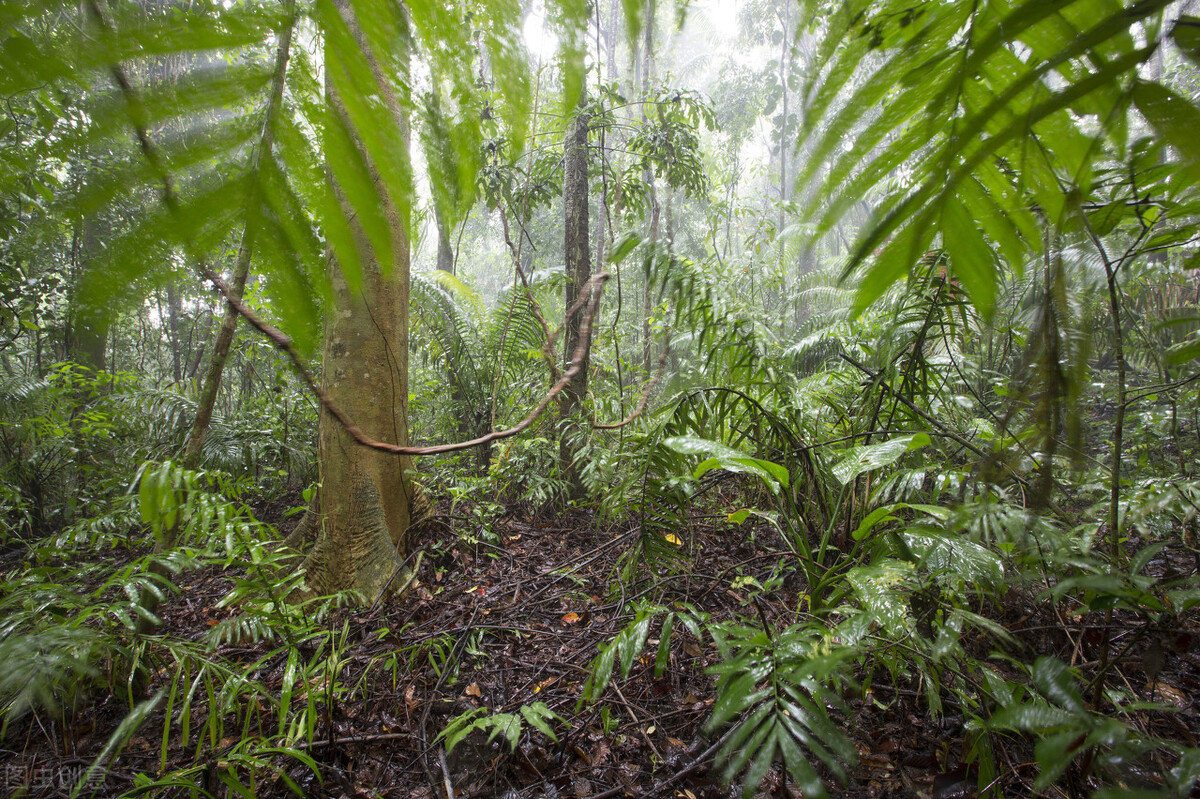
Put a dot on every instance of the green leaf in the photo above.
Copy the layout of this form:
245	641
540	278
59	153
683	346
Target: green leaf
970	256
1183	352
1054	753
538	715
634	10
623	247
663	659
1031	717
632	640
739	516
1186	35
506	724
461	726
733	698
721	456
1172	116
868	457
121	735
875	517
602	668
1057	683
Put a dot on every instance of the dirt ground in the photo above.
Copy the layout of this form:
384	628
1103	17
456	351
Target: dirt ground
516	621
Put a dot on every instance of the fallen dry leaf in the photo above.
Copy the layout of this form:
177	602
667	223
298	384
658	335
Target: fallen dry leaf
1168	694
473	690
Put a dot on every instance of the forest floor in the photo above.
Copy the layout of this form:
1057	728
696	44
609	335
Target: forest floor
516	622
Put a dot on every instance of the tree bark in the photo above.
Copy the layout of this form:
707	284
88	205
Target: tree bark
647	74
174	308
579	269
365	500
445	253
87	331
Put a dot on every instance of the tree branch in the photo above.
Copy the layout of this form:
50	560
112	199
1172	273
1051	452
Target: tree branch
591	296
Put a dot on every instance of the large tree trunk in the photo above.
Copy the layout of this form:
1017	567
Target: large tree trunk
579	268
365	500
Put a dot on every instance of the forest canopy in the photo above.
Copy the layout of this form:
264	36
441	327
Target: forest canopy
611	398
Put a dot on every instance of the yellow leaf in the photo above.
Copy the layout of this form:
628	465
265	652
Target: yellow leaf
674	539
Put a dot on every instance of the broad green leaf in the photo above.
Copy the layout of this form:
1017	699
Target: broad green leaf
623	247
602	668
874	518
632	640
739	516
868	457
955	556
721	456
1183	352
1186	35
1173	117
1057	683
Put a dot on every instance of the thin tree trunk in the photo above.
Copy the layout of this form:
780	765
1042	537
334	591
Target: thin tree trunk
579	268
173	310
87	334
445	253
216	364
648	179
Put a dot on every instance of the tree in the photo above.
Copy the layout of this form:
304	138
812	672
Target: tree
366	499
576	248
216	364
343	238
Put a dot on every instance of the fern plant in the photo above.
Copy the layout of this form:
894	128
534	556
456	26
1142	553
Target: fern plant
1070	736
507	726
775	687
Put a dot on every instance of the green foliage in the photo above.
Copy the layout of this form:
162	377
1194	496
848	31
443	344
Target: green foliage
626	648
60	436
508	726
70	635
669	145
1069	732
776	686
985	111
1003	374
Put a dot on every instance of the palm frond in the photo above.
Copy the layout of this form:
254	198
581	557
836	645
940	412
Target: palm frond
983	117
